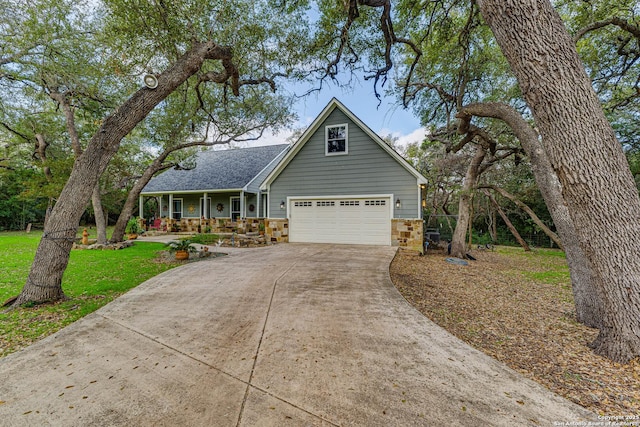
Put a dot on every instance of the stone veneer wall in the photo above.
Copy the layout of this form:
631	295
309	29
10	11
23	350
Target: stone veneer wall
277	230
216	225
407	233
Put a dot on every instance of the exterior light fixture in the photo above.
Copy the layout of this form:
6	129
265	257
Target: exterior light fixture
150	81
398	204
282	204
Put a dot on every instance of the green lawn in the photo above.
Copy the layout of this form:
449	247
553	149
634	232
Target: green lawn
92	279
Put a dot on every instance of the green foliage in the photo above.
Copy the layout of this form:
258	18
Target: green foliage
90	282
92	54
180	245
133	226
16	211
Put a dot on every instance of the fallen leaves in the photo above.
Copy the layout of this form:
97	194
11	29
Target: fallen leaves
518	309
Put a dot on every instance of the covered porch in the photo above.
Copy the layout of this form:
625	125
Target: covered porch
203	212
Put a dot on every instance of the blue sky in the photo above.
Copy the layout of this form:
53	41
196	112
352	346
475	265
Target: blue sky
388	118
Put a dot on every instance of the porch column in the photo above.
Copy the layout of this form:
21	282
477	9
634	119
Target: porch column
242	207
141	206
258	200
205	208
159	206
170	206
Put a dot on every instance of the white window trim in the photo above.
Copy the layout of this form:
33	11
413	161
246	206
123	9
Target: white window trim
346	140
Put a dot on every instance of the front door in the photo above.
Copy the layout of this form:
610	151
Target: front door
235	208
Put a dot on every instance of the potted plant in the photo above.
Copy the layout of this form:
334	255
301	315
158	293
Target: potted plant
133	228
261	228
182	248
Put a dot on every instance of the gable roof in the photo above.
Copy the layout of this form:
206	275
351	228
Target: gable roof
230	169
324	114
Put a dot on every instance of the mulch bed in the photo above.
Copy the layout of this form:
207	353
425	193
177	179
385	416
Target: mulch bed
494	305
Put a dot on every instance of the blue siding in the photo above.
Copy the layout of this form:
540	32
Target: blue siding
367	169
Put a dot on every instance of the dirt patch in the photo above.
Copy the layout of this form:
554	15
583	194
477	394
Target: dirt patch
509	306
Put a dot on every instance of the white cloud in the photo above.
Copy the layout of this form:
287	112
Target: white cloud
403	140
417	135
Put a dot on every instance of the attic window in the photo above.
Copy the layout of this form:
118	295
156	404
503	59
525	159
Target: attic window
336	140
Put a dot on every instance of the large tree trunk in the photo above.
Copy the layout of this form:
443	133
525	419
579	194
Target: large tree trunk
459	241
597	184
101	223
587	296
44	282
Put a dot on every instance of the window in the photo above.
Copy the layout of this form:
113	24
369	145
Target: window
337	141
349	203
302	204
328	203
375	203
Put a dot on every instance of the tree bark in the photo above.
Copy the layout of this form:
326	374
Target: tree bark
508	223
459	241
74	137
597	184
44	282
41	153
493	229
101	222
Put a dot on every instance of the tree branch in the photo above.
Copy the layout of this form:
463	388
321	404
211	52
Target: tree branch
553	236
63	101
619	22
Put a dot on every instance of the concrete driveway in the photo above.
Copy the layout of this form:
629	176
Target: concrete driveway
299	335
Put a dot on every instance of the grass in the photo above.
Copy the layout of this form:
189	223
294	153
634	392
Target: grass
205	239
92	279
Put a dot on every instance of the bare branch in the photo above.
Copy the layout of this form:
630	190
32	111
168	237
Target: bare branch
63	101
546	230
619	22
15	132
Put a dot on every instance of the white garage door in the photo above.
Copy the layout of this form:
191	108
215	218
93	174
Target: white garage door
364	221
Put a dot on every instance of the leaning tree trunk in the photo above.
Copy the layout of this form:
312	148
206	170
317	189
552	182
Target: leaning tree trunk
541	225
597	184
508	222
587	296
459	241
44	282
132	200
98	211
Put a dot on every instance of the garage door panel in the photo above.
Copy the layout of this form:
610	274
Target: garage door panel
341	220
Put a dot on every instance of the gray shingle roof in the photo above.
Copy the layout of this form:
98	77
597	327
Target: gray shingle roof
217	170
